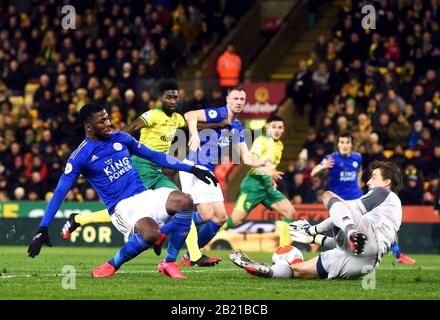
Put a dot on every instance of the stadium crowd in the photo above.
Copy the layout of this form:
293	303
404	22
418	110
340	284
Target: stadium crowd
116	53
383	86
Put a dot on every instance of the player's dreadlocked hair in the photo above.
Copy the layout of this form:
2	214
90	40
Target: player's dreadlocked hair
167	85
389	170
88	110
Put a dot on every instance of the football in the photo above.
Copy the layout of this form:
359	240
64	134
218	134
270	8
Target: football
287	255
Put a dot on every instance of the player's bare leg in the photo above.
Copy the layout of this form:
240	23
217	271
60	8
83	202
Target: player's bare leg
306	269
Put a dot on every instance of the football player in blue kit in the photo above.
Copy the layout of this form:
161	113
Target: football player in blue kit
206	150
344	169
104	159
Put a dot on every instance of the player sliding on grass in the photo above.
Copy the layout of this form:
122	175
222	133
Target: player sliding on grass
158	127
259	187
368	227
104	159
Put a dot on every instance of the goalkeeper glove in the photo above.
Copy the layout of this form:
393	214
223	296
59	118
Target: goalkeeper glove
40	238
300	232
203	175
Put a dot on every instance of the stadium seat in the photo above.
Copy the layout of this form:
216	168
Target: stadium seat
408	154
388	153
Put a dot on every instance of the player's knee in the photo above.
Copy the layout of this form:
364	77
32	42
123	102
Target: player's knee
221	218
238	220
289	212
186	202
206	215
326	196
152	235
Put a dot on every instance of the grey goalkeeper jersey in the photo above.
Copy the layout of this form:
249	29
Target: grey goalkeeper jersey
383	209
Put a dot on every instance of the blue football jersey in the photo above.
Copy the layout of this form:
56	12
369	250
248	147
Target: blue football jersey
107	165
343	177
215	142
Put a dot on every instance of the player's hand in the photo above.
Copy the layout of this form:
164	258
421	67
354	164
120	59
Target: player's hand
329	163
40	238
203	175
298	233
194	143
224	123
277	175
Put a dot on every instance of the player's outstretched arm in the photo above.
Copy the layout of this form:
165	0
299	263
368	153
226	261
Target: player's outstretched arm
165	161
327	164
42	236
192	118
213	125
250	159
136	125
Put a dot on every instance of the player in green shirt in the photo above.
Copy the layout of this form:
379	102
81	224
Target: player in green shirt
259	187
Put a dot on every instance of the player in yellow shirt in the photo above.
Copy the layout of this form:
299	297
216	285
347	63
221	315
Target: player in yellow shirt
258	187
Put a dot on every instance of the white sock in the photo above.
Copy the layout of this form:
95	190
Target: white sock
341	216
326	242
323	226
281	271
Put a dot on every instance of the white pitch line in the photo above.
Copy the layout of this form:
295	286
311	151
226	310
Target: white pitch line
11	276
119	272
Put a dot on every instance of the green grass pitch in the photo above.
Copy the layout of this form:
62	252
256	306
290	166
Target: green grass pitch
41	278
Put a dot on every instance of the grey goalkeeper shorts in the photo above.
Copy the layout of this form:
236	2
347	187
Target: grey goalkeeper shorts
341	263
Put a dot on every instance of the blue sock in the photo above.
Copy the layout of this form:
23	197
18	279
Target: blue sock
395	250
197	218
207	232
167	227
182	224
135	245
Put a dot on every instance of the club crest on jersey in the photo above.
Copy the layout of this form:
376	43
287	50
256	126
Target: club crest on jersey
355	164
212	114
68	168
117	146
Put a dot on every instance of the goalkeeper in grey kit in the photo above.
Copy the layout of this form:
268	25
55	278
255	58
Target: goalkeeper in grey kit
367	228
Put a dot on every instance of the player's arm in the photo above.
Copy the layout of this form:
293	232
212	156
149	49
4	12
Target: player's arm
213	125
324	165
136	125
64	185
249	158
192	118
165	161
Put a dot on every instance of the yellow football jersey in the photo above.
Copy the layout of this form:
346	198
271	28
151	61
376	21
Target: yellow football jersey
160	129
267	149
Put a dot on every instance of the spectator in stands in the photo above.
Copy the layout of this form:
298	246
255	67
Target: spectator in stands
299	88
412	192
229	66
399	131
398	156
